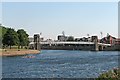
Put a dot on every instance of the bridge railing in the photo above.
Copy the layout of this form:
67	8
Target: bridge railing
66	42
71	43
104	44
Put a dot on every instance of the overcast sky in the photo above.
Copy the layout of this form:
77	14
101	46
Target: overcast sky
51	18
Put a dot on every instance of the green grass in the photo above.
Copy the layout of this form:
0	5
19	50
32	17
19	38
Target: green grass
13	48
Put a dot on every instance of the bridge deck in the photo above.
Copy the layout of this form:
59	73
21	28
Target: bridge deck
72	43
66	43
104	44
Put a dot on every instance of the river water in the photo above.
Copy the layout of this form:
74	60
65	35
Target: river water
60	64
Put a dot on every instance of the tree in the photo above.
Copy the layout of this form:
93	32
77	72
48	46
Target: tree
10	38
3	30
0	37
70	38
23	38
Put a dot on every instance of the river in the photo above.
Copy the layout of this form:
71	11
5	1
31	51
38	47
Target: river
60	64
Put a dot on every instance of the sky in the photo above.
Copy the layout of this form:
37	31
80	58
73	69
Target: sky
59	0
51	18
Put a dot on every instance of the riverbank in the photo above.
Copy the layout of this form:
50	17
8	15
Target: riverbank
113	74
15	52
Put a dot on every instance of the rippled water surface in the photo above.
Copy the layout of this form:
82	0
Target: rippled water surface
59	64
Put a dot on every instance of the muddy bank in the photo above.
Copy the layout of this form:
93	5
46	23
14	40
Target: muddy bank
18	53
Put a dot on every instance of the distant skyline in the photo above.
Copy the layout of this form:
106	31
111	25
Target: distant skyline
51	18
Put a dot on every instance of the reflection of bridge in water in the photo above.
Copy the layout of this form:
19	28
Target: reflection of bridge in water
52	45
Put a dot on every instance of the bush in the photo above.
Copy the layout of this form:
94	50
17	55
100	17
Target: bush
110	75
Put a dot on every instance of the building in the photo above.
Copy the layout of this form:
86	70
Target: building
62	38
117	44
93	38
84	39
108	40
103	40
117	41
77	39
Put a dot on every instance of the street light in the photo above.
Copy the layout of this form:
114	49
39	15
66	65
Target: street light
101	34
88	36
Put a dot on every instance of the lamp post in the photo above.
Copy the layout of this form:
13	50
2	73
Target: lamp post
88	36
101	34
101	37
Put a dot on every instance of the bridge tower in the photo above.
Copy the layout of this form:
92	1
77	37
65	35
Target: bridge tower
95	40
37	42
96	45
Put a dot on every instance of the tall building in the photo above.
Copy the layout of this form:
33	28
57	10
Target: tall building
62	37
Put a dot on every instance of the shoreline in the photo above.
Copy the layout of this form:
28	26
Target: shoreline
111	74
18	53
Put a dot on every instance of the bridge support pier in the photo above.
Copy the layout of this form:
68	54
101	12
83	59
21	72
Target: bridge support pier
96	45
100	47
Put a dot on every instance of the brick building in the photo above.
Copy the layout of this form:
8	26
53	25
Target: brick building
108	40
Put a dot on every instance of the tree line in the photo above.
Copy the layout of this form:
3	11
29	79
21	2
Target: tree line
11	37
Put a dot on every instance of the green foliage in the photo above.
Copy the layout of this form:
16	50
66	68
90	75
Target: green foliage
110	75
3	30
23	37
2	33
0	37
70	38
10	38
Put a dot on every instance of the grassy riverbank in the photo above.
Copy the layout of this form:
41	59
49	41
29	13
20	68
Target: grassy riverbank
17	52
110	75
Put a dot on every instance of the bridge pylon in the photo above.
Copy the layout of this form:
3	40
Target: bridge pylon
36	41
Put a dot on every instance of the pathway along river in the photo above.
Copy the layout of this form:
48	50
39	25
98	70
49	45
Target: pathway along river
60	64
